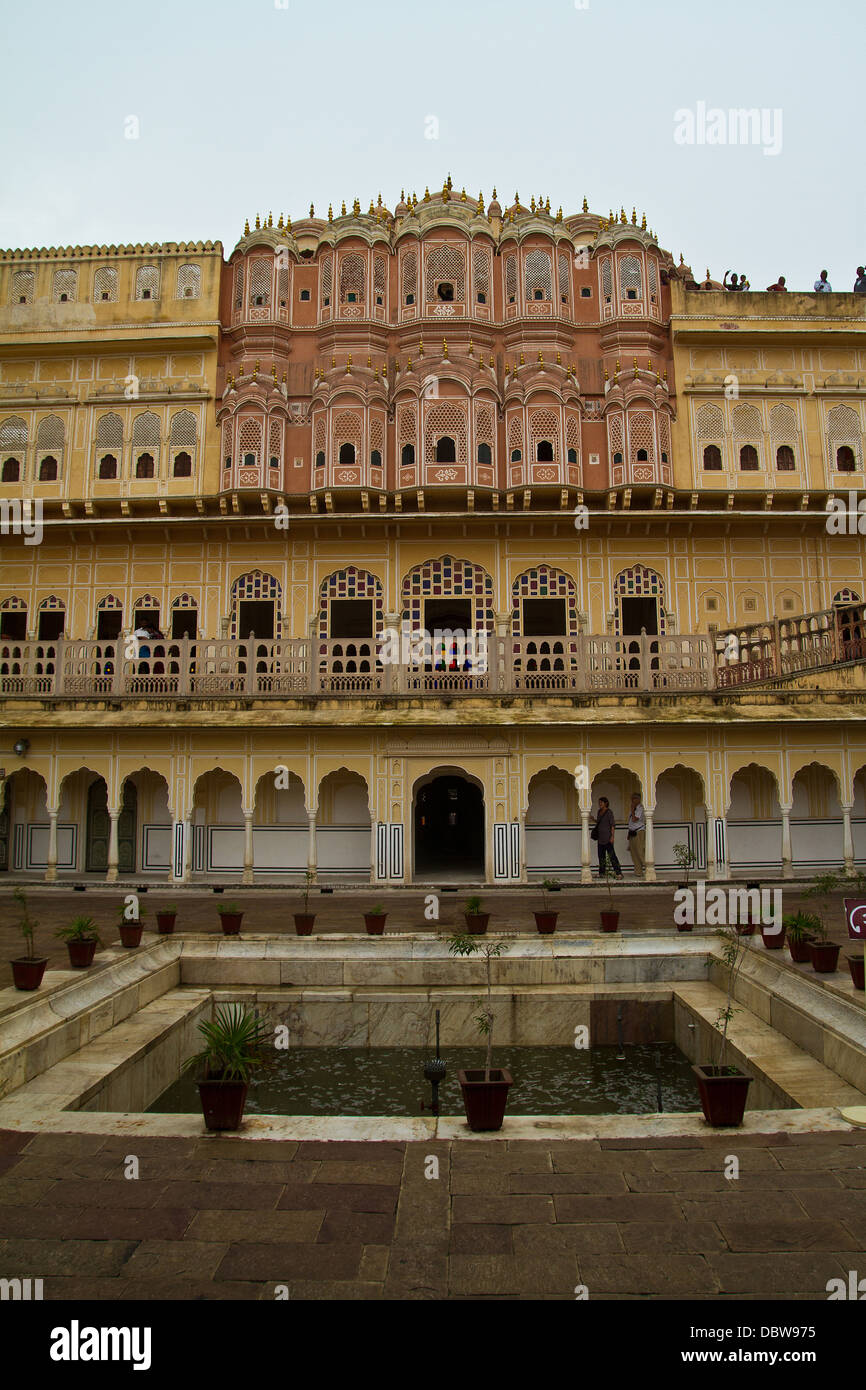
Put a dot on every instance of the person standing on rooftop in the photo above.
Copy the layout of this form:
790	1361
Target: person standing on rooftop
822	284
860	282
779	285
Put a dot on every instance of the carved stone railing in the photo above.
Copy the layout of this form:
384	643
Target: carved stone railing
291	668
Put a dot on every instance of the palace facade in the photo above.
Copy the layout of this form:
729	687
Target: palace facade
287	466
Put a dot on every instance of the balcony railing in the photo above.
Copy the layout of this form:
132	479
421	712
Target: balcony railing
293	668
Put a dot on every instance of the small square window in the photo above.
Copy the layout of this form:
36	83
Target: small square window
104	294
410	299
482	299
305	294
275	462
351	298
585	292
631	294
327	300
145	294
378	299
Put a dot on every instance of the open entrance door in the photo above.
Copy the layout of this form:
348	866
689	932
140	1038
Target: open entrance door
449	828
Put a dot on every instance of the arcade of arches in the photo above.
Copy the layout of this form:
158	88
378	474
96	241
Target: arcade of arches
478	806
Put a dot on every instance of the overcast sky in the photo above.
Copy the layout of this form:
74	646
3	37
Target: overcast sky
258	105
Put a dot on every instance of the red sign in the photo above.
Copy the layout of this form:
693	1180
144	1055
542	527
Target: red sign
855	914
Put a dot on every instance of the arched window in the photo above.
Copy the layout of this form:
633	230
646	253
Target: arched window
375	458
108	466
445	450
484	454
407	456
845	460
188	282
748	459
105	284
145	443
11	472
785	459
48	470
261	272
544	451
642	456
713	459
516	455
181	442
65	284
320	459
630	278
572	456
617	458
347	454
183	465
147	282
538	275
23	287
144	466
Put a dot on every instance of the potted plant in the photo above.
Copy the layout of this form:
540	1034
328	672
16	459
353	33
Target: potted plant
609	918
304	920
27	971
800	928
724	1088
165	919
545	920
773	937
485	1089
685	857
82	939
374	920
824	954
476	919
233	1038
130	928
857	966
231	917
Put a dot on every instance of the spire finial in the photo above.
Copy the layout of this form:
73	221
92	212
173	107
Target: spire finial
585	204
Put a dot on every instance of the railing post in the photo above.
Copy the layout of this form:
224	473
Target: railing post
250	682
645	673
58	684
183	675
777	647
119	667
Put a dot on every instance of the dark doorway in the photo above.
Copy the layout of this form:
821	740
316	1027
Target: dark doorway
146	617
51	622
99	826
108	624
13	624
638	614
256	618
184	622
351	617
449	615
449	828
5	821
544	617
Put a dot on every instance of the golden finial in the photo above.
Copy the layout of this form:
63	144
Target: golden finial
247	227
571	371
681	258
480	208
256	372
403	195
330	212
357	207
491	360
312	210
643	222
409	366
547	205
610	216
494	192
426	195
369	362
616	368
384	369
463	195
635	366
606	377
334	361
516	199
532	202
448	181
471	348
559	359
622	216
288	223
349	363
522	360
376	374
274	370
445	193
421	348
634	217
379	200
665	375
270	219
280	223
258	222
649	364
559	214
372	211
540	358
585	204
658	379
343	209
445	349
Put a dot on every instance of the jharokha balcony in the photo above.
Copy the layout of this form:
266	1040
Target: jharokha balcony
209	669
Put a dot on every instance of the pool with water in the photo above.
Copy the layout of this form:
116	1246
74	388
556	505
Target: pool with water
640	1079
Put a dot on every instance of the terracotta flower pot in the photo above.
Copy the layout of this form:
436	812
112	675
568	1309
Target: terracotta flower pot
81	953
825	957
609	921
856	965
231	923
546	922
130	933
304	923
27	971
222	1103
772	939
800	950
723	1096
165	922
485	1101
375	923
476	922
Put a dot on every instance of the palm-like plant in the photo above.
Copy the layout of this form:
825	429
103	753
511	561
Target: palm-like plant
79	929
464	944
232	1041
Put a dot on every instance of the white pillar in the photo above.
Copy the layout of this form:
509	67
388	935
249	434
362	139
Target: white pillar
248	847
847	837
187	850
312	863
521	849
51	864
113	851
585	848
712	866
650	847
787	858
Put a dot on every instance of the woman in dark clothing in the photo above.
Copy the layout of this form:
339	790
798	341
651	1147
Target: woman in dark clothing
605	827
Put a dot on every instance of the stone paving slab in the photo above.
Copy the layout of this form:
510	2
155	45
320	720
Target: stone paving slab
503	1219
